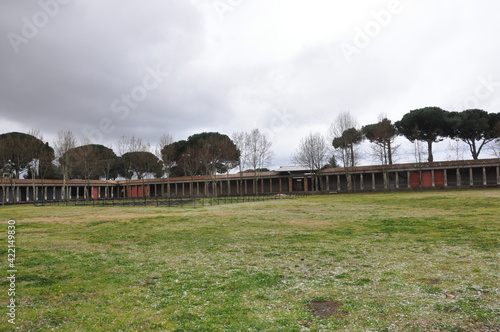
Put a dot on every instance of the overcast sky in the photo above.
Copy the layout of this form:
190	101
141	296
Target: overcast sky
105	68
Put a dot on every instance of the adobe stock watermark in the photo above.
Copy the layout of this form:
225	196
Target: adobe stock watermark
222	7
123	105
11	263
280	119
32	26
483	91
364	36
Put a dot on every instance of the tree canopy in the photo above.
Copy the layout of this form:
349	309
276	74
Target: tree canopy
201	154
382	134
346	143
20	152
141	164
429	124
476	128
92	162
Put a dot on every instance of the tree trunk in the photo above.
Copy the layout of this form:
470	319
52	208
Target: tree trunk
389	152
349	182
429	151
352	155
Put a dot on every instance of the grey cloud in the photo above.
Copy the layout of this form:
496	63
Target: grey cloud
233	74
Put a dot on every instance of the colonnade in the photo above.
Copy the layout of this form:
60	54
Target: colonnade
484	173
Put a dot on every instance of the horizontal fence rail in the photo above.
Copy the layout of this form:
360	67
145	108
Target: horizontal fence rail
169	202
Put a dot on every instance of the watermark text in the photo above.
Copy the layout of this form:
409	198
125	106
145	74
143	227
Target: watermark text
11	278
364	36
123	105
31	26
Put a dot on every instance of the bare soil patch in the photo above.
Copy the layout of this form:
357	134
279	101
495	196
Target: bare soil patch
434	281
327	308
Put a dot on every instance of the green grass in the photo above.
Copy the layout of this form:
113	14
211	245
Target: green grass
386	261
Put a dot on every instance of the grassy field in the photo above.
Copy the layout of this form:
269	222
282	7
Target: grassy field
370	262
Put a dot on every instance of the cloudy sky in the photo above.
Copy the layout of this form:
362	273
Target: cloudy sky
107	68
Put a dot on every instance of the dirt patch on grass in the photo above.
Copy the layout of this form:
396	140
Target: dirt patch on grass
428	281
433	281
326	309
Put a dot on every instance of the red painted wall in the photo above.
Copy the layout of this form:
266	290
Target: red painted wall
137	191
427	179
439	178
95	192
415	180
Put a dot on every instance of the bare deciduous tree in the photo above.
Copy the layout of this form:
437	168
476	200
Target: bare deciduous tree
495	148
313	154
419	152
129	149
165	152
64	142
38	152
239	139
131	144
345	137
456	150
344	131
259	153
495	145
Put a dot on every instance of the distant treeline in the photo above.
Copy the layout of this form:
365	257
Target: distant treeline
27	155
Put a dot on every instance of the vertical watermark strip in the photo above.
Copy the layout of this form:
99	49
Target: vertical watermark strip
11	260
